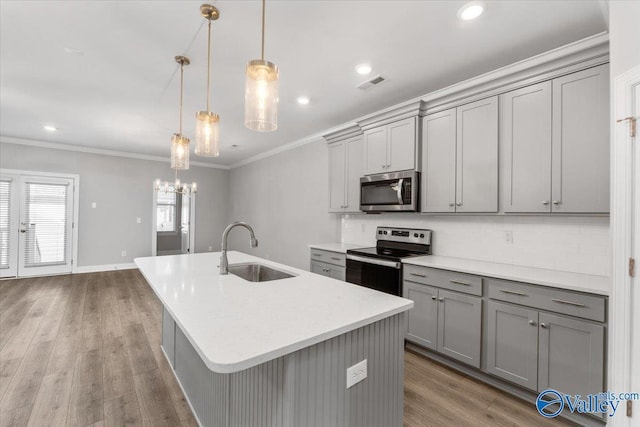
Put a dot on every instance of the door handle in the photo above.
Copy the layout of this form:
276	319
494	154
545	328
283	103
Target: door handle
22	230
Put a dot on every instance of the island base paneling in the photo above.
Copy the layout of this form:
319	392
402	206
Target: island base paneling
306	388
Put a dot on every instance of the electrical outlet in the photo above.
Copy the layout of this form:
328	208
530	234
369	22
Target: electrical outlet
94	205
124	253
139	220
210	248
508	236
363	228
356	373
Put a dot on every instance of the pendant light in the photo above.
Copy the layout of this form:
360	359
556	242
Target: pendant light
207	123
261	91
180	143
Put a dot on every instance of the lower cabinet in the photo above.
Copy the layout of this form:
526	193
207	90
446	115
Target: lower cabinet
445	321
538	350
328	270
328	263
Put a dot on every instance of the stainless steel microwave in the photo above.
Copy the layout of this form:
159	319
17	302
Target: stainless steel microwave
390	192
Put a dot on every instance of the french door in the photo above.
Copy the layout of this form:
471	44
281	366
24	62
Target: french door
36	225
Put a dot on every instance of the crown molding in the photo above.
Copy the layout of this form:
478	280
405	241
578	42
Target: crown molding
269	153
100	151
412	108
348	131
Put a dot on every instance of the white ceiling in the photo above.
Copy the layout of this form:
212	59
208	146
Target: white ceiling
122	92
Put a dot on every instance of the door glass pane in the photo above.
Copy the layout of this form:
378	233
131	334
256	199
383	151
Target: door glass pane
5	212
45	224
166	212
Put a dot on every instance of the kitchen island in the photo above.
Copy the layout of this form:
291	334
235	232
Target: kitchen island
276	353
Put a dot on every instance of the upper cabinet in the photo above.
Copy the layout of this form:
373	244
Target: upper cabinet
460	159
345	170
555	145
391	147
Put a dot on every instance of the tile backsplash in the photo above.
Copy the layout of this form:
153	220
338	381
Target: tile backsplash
575	244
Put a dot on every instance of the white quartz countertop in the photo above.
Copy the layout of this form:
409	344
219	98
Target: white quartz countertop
234	324
336	247
600	285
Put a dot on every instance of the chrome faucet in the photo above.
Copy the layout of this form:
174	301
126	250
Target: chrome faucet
224	262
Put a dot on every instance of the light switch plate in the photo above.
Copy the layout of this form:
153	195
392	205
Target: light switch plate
356	373
139	220
94	205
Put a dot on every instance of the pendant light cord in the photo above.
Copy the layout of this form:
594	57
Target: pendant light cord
208	64
263	12
181	91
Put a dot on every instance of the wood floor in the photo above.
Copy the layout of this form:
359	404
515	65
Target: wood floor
84	350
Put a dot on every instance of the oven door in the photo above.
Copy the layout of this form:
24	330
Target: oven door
378	274
389	192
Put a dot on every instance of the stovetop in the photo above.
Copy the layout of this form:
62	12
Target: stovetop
392	254
397	243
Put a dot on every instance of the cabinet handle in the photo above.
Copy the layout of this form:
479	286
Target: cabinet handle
441	299
418	275
336	258
507	291
561	301
546	202
460	283
459	204
451	204
532	323
388	166
543	325
316	255
556	202
433	297
384	166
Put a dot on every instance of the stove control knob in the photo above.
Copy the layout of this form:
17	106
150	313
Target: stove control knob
385	232
379	232
422	235
415	234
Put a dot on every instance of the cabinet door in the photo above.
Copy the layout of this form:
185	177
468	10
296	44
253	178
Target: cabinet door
571	358
319	268
423	317
337	273
337	171
526	149
355	170
459	327
401	145
580	168
477	156
439	162
375	150
512	344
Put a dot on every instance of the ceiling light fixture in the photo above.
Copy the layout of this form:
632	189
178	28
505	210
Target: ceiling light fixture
363	69
471	10
180	143
49	128
207	123
261	91
303	100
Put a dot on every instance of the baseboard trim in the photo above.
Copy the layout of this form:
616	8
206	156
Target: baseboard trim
104	267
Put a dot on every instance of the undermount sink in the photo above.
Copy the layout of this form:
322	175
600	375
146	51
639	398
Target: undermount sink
254	272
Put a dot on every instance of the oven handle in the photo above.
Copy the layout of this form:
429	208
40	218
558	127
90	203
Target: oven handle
375	261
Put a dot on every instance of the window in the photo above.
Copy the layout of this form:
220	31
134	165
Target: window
166	215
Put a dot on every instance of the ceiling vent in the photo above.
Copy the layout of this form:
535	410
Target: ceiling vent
373	81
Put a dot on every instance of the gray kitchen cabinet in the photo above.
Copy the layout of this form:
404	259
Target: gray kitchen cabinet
512	343
477	156
345	170
580	157
391	147
459	327
571	358
328	263
555	145
439	162
460	159
525	132
422	324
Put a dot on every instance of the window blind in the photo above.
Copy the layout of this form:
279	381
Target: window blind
5	213
45	208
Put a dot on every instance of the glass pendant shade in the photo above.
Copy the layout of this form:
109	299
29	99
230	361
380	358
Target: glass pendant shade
261	96
179	152
207	134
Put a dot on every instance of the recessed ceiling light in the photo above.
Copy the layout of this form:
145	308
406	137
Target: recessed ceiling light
363	69
50	128
73	51
471	10
303	100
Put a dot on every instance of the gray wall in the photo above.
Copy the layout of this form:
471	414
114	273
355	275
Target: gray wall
623	27
284	197
122	190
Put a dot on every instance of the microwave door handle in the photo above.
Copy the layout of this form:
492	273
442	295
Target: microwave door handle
399	191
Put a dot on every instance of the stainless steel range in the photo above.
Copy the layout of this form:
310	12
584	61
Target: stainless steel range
380	267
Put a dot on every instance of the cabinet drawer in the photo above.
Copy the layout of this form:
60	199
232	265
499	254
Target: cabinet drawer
329	257
460	282
550	299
